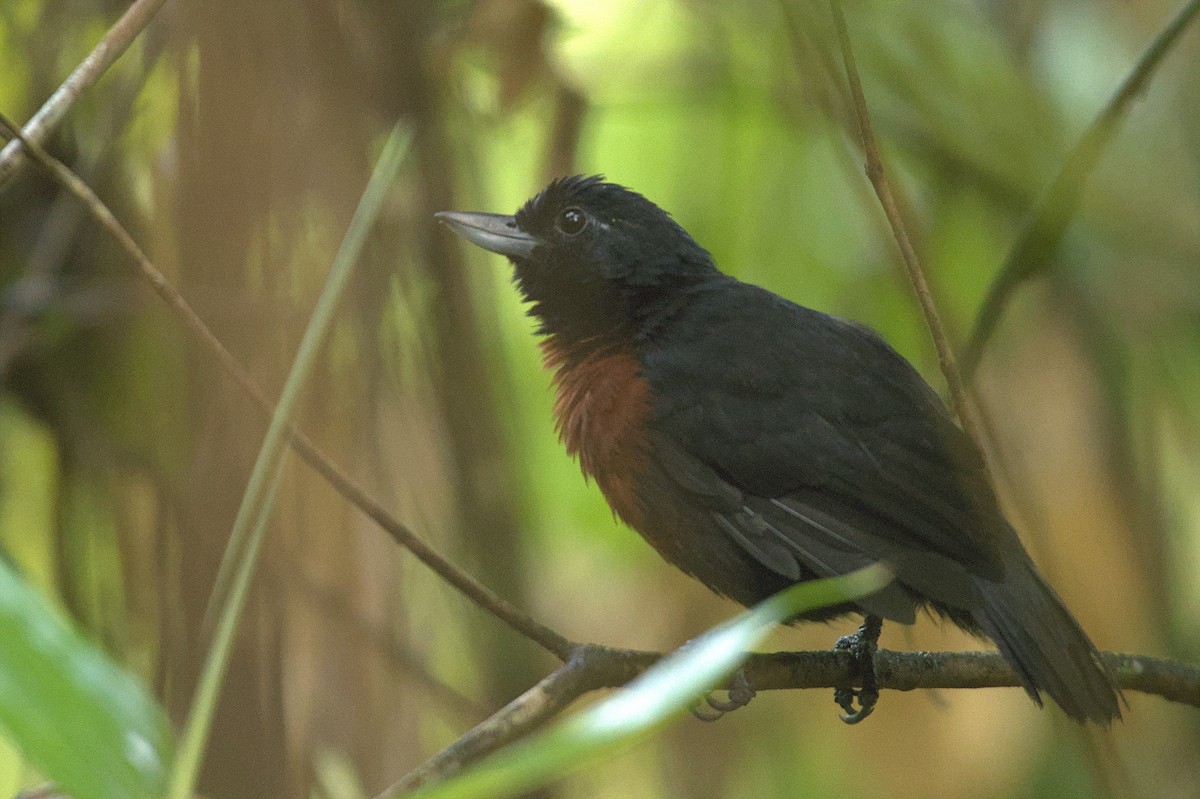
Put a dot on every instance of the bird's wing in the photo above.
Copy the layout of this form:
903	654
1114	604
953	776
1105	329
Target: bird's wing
808	531
841	452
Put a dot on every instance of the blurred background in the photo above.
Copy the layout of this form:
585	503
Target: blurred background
234	139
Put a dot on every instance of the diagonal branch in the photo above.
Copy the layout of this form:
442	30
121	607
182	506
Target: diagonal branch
110	47
1043	230
589	669
474	590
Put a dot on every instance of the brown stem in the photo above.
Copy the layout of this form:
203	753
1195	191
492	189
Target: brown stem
878	177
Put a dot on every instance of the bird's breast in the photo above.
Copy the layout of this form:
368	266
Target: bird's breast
600	409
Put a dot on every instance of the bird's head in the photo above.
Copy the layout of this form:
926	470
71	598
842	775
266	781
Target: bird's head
595	259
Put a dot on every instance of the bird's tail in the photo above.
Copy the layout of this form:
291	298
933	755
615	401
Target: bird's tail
1045	645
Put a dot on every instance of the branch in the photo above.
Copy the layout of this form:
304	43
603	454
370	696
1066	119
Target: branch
1047	221
590	668
593	667
878	177
110	47
465	583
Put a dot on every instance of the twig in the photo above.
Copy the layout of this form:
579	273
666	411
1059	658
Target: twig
110	47
595	667
587	670
878	177
465	583
1047	221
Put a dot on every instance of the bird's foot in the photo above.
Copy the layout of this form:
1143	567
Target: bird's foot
739	695
861	646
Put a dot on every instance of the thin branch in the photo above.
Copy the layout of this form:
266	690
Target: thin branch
595	667
1047	221
465	583
553	694
110	47
878	177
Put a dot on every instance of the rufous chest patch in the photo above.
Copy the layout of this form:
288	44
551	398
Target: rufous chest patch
600	410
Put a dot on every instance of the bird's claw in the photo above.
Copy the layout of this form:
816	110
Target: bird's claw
867	698
861	646
739	695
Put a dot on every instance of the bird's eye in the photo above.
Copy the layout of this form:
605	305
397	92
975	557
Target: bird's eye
571	221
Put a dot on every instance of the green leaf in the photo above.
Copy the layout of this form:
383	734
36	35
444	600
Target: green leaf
73	712
652	699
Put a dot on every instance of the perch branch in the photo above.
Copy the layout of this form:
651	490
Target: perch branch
594	667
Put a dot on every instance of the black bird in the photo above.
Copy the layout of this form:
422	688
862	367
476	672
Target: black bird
756	443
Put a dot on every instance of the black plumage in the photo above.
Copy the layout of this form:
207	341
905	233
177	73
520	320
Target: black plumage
755	442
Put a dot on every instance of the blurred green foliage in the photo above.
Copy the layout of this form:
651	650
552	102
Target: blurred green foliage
234	140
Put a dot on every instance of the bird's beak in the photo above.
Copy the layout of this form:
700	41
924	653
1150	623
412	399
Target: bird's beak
493	232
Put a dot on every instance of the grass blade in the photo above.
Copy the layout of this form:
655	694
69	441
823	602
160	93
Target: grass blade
250	524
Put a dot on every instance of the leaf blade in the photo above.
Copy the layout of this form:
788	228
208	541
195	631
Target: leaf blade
74	713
